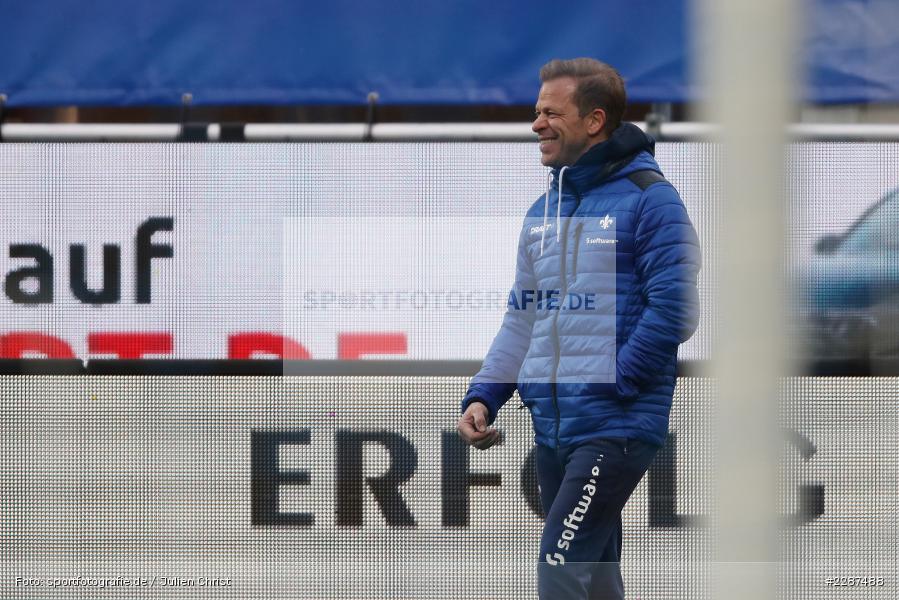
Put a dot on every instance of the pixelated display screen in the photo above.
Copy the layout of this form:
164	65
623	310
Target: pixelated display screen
313	486
359	487
249	250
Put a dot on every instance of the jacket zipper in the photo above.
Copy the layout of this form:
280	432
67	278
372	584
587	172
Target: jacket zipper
557	350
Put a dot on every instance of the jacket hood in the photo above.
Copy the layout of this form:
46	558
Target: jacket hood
628	149
611	158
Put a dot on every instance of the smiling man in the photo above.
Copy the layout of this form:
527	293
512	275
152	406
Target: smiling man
598	380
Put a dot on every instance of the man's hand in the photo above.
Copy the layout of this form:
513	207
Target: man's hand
472	427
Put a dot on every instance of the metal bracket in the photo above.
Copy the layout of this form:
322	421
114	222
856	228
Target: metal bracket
2	114
370	116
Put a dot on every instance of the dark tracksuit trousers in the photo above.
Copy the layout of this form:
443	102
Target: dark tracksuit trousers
583	489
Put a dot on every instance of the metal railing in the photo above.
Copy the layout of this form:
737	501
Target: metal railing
888	367
394	132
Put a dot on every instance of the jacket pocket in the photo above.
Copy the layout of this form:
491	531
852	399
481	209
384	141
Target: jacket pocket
577	247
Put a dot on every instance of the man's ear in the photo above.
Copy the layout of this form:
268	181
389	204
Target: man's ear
596	122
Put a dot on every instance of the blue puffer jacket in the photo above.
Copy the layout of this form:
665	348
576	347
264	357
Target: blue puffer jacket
604	292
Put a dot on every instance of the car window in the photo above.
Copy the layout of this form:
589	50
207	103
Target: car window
879	232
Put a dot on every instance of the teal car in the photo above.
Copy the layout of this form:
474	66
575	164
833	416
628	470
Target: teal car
851	288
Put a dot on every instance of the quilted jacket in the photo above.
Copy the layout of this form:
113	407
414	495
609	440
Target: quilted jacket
604	292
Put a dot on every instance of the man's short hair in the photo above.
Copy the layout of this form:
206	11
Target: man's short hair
598	86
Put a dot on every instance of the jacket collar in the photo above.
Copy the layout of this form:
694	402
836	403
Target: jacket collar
607	158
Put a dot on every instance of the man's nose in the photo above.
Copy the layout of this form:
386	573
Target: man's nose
539	123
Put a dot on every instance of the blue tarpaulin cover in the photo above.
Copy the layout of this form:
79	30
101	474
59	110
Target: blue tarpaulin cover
140	52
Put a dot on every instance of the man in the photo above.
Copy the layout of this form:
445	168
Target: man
604	292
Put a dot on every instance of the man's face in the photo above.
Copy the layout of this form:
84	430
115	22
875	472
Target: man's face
562	132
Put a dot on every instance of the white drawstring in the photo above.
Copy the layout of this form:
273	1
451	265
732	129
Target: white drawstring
549	180
559	206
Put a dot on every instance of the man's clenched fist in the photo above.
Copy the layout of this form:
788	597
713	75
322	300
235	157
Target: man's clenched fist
472	427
